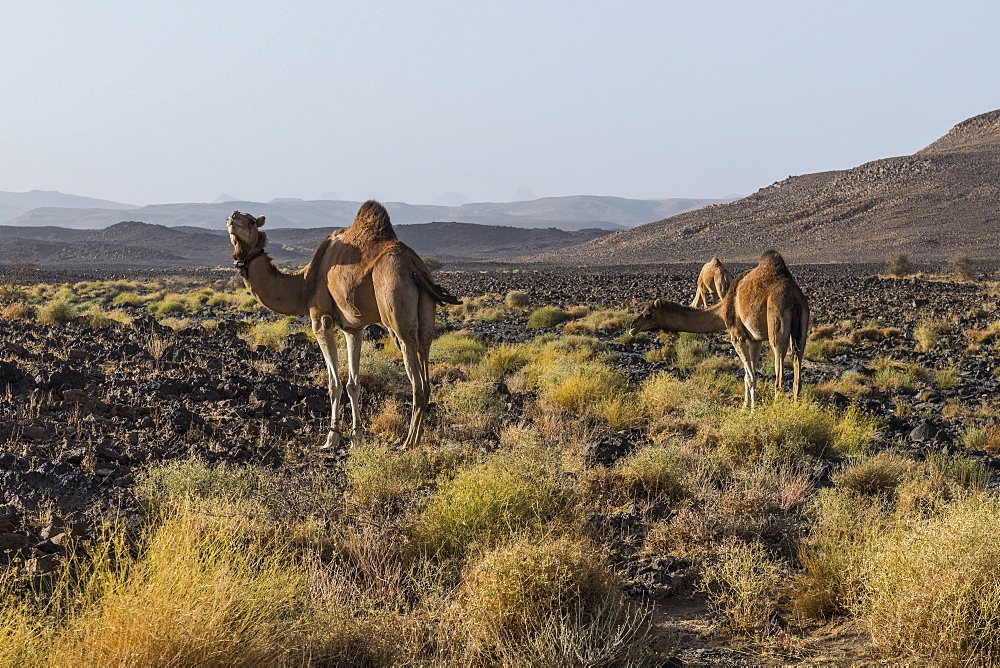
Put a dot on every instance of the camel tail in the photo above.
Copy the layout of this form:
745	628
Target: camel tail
440	294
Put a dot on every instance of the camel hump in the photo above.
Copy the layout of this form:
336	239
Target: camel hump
374	219
773	259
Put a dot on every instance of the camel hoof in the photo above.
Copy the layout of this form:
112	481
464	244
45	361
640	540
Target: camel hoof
333	440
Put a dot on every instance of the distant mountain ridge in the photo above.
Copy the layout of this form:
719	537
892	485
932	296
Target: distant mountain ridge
138	245
940	202
565	213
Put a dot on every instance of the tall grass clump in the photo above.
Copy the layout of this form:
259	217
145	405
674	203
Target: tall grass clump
211	578
545	602
931	590
380	476
457	348
55	312
486	503
742	584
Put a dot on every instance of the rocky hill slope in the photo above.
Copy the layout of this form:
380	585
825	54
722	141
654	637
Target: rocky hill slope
940	202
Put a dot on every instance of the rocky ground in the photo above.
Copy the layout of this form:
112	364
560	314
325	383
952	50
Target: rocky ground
83	410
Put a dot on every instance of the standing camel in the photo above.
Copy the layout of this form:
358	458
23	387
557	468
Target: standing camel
765	303
713	279
358	276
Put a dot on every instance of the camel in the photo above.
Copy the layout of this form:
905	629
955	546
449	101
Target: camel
764	303
713	279
358	276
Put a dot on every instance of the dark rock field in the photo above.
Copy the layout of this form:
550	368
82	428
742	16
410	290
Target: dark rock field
83	409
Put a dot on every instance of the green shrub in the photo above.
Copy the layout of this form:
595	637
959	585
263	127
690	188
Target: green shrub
127	299
486	503
546	316
457	348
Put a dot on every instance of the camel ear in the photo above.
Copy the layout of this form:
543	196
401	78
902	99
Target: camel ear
260	221
657	304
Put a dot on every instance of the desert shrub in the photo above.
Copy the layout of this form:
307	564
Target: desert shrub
689	350
474	405
517	299
781	430
379	475
167	487
502	359
98	317
928	332
931	589
879	474
655	472
127	299
833	553
577	389
18	311
269	333
947	377
546	316
742	583
457	348
849	384
985	437
899	265
824	349
891	375
662	393
56	312
552	602
855	431
619	410
964	267
486	503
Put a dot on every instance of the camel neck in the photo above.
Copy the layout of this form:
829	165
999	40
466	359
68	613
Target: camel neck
276	290
697	321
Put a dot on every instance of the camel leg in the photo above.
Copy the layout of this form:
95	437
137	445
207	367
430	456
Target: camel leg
796	372
779	348
753	354
326	338
414	371
354	337
699	298
749	378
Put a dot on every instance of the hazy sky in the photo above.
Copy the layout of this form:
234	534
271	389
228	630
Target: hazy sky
144	102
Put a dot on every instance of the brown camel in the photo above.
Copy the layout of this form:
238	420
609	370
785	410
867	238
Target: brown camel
765	303
713	279
358	276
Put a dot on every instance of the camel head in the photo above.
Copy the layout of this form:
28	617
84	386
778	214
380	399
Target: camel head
660	315
647	320
244	232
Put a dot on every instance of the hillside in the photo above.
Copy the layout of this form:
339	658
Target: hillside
940	202
565	213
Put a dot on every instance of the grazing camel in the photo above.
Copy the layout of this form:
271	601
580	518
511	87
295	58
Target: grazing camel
358	276
765	303
713	279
